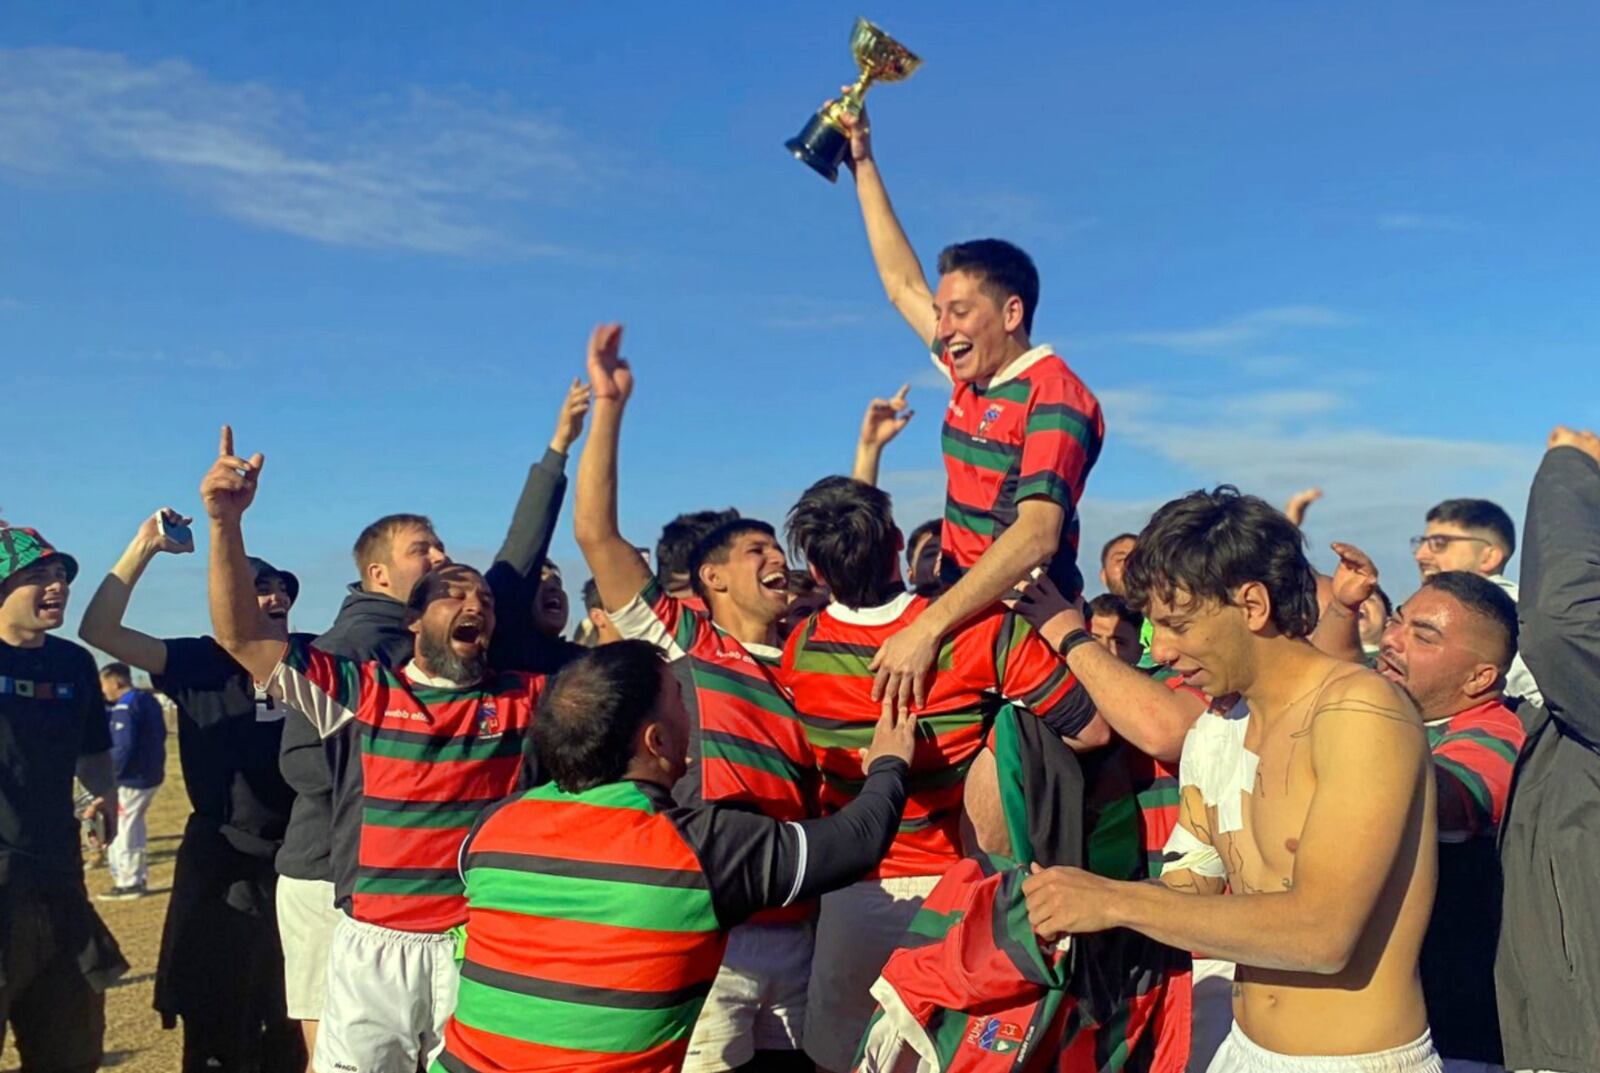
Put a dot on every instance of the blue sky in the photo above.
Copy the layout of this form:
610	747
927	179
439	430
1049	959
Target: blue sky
1351	246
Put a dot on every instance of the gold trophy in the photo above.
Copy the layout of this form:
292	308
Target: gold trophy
822	144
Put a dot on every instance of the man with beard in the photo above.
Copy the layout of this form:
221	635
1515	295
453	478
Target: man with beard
221	965
56	957
391	556
746	747
1306	849
437	740
1448	647
1021	430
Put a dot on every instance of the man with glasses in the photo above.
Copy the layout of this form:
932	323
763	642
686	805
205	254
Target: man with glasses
1476	536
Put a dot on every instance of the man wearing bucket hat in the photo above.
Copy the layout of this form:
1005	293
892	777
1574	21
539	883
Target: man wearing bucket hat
221	965
56	957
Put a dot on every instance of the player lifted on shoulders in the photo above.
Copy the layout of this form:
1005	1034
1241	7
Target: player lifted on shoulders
1307	795
1021	431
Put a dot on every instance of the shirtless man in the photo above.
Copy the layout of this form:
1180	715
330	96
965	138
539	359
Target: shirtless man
1307	795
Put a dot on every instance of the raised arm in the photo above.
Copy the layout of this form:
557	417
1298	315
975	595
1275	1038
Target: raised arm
1338	631
883	421
102	624
1560	614
237	620
1151	717
898	267
619	573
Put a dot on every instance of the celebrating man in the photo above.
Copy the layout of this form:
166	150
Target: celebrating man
1021	431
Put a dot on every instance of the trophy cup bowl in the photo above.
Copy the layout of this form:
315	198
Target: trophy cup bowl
822	143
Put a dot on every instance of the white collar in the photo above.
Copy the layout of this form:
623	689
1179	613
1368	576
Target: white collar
1019	366
755	648
420	677
881	615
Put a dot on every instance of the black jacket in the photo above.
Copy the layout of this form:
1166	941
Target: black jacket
373	626
1547	965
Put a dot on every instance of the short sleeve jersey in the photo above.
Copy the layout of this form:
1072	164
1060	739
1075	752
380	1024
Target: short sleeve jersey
51	713
1034	431
432	759
995	658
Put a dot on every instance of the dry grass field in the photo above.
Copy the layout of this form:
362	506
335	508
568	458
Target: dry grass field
135	1041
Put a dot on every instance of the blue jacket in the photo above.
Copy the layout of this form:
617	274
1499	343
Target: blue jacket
138	741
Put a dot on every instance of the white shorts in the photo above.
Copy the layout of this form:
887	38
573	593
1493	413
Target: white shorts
758	1000
389	995
1211	1011
306	919
857	930
1239	1055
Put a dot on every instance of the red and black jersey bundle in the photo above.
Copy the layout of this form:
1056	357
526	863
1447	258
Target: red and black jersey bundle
972	989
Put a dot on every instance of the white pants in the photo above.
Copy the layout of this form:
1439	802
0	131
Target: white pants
1211	1018
857	929
758	1000
1239	1055
126	856
389	995
306	920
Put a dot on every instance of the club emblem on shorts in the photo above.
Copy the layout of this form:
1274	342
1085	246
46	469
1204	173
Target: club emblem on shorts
993	1034
990	416
488	721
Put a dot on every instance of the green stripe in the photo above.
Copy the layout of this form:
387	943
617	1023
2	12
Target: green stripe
389	817
1057	422
810	661
1010	391
982	524
1160	796
398	885
1047	484
730	684
435	751
592	901
349	683
858	735
1471	781
758	759
572	1025
611	795
932	924
1478	735
984	456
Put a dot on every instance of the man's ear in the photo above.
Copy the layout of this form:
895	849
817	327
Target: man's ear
1253	599
1492	559
654	741
1484	678
1011	313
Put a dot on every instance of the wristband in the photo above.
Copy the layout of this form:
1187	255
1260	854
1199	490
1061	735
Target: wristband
1073	639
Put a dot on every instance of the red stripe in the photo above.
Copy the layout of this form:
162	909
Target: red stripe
500	1054
410	912
611	835
597	955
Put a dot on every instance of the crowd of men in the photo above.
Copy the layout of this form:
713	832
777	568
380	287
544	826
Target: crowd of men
913	804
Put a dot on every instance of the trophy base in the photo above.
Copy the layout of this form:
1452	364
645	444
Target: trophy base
820	146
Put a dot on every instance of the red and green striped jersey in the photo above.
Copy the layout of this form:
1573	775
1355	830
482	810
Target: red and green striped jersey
597	922
1474	752
431	760
1034	431
994	658
746	746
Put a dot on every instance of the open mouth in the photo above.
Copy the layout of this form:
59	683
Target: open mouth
52	605
958	350
555	605
469	631
278	614
776	581
1390	669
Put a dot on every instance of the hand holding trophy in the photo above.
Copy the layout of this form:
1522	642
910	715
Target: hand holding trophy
823	142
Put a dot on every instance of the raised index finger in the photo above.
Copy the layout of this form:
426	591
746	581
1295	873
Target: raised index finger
225	448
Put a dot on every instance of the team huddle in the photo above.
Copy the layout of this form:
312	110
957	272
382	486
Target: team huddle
915	805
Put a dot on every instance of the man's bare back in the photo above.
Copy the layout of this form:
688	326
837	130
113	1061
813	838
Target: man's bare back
1375	1002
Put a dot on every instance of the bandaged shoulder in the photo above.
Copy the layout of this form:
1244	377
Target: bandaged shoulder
1186	853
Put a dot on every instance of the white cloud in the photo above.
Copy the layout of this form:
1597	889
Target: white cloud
1257	326
1413	221
417	170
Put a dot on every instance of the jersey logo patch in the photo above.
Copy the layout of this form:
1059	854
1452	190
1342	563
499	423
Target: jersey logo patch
993	1034
990	416
488	721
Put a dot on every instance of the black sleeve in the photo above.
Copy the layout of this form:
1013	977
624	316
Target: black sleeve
514	576
1560	616
754	862
195	663
303	757
95	732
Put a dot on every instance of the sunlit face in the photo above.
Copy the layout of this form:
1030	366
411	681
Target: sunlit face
1206	642
1448	546
1439	652
754	577
1117	636
112	688
1372	621
973	328
35	597
414	551
550	606
455	627
1111	571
